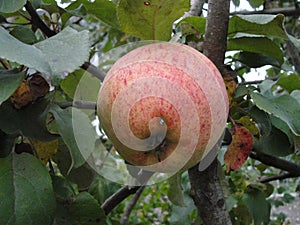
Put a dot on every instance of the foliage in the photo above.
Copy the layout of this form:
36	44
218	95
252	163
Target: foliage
48	159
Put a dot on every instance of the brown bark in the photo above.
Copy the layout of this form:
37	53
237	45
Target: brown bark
215	39
276	162
207	193
206	189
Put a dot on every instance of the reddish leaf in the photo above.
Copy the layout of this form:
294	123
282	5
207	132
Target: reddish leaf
239	149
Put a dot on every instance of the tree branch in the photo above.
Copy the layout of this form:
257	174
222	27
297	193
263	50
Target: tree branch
279	177
39	23
111	202
131	205
207	194
276	162
288	11
215	40
206	189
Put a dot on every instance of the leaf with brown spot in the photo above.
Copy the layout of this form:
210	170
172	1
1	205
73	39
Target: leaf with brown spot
239	149
39	87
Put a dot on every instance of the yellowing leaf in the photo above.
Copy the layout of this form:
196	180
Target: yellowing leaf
22	96
30	90
45	150
239	149
247	122
231	85
229	76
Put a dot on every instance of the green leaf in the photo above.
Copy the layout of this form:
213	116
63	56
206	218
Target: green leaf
262	120
102	188
9	82
79	11
193	25
268	25
260	45
17	51
284	107
296	95
182	215
66	51
63	189
52	56
258	206
30	121
175	192
69	84
150	19
276	143
77	132
82	176
295	41
81	85
255	60
105	10
289	83
256	3
11	5
85	210
26	193
281	125
23	34
6	144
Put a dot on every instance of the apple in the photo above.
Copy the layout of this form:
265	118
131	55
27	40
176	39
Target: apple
164	106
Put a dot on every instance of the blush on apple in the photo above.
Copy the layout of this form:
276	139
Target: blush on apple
163	106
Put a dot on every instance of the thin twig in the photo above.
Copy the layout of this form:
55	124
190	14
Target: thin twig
258	81
4	64
287	11
279	177
276	162
37	21
196	8
115	199
131	205
78	104
93	70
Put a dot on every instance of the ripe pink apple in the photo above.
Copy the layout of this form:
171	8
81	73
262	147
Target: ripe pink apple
163	106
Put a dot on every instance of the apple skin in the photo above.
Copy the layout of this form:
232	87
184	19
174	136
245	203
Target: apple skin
163	106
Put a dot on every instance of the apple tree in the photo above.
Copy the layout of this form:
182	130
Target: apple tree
59	167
